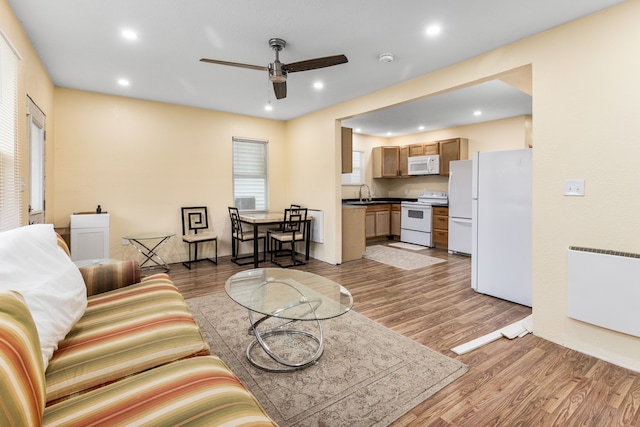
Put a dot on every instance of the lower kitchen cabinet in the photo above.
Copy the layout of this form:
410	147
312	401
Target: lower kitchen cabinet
396	216
440	225
378	221
353	233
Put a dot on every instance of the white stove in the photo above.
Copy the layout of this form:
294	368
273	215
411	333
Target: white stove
430	198
415	225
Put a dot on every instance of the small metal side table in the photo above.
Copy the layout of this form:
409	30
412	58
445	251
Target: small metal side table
148	244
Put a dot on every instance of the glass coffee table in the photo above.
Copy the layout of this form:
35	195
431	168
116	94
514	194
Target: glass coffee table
282	298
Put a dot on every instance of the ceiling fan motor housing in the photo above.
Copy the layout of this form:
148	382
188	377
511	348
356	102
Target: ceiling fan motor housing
277	72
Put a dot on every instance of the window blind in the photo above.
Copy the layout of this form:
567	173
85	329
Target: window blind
250	180
9	154
356	177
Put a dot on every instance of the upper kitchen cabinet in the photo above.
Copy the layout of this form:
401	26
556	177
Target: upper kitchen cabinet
386	162
452	149
424	149
404	162
347	150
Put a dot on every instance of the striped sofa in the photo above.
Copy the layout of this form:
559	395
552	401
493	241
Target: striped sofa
136	357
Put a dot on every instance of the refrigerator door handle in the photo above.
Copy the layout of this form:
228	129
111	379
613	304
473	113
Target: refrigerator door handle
449	183
461	220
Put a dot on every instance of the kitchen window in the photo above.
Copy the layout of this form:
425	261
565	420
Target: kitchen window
250	180
356	177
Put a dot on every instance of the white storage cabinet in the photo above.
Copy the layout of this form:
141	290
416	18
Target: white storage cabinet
89	236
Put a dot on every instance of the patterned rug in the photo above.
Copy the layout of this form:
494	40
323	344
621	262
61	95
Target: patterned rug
368	375
410	246
400	258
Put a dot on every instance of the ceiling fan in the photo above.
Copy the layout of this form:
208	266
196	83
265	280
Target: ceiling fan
278	71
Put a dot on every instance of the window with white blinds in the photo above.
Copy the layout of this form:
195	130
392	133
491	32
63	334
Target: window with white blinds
250	174
356	177
9	154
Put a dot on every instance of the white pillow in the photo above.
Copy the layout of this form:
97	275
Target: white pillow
33	264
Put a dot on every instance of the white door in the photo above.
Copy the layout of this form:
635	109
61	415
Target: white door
36	132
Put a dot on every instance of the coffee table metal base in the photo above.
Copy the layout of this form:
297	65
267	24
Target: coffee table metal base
285	365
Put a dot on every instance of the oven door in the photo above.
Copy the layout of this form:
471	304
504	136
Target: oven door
416	217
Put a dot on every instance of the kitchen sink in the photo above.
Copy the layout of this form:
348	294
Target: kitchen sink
364	202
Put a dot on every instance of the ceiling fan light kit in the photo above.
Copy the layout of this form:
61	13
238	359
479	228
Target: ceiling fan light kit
278	71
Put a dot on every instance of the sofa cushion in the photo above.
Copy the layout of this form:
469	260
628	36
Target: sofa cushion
51	284
21	375
124	332
107	277
198	391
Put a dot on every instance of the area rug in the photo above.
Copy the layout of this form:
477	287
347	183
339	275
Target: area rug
410	246
368	375
399	258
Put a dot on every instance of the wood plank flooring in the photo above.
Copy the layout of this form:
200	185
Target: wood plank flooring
523	382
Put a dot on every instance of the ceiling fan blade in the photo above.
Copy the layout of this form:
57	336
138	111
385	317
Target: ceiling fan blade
312	64
234	64
280	89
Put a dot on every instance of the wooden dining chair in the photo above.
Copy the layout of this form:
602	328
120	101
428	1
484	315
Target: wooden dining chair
239	235
196	230
293	231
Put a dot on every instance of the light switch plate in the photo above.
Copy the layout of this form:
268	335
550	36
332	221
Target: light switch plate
574	187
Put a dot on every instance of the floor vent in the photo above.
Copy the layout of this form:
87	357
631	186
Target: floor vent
604	288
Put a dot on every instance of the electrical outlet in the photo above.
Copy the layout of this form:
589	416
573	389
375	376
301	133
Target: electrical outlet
574	187
125	242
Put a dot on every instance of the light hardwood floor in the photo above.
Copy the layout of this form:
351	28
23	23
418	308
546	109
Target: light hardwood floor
523	382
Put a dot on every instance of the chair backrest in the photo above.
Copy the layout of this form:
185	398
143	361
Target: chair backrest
194	219
236	225
294	220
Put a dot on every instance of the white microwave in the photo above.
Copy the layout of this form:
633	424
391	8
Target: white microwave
424	165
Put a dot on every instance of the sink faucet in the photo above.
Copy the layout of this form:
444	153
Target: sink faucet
368	191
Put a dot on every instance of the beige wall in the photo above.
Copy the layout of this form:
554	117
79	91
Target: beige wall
141	161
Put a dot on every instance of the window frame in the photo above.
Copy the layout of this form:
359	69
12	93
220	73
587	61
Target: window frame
262	174
357	176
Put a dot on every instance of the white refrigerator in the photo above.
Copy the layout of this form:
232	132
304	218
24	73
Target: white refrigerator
460	206
501	227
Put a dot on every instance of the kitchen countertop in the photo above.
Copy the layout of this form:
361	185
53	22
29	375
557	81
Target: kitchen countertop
377	201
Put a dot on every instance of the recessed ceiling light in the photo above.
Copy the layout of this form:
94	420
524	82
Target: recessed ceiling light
357	130
389	133
477	113
385	57
268	107
129	34
123	82
433	30
420	127
318	85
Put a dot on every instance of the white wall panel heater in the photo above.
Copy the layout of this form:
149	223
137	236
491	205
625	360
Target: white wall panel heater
604	288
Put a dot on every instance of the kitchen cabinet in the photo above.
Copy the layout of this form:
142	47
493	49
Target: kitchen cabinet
378	221
452	149
396	216
386	161
347	150
440	225
383	223
404	161
353	232
424	149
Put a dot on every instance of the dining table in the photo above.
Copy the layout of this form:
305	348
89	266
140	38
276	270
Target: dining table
261	219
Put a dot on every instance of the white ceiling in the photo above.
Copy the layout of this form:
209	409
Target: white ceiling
80	44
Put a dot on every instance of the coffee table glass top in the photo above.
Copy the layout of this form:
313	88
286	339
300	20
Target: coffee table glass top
289	294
